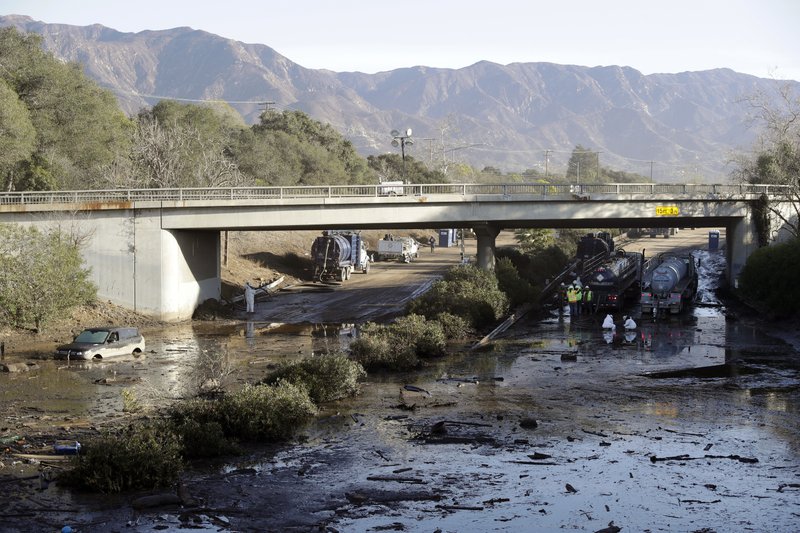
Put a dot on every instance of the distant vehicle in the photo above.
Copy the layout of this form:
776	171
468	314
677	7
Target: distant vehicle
391	188
669	283
652	232
336	254
102	343
401	248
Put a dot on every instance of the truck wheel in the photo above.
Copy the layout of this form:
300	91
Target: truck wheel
349	272
366	267
342	274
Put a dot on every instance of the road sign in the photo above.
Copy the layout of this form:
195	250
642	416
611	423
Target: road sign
667	211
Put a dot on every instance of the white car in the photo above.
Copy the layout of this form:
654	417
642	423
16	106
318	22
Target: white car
101	343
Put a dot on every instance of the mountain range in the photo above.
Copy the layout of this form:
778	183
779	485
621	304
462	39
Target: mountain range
681	127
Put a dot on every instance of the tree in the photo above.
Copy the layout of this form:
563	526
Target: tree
300	151
776	155
583	166
532	240
41	276
17	135
181	145
391	167
79	126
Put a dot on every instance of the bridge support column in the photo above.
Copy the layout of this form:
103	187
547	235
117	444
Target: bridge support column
486	234
741	240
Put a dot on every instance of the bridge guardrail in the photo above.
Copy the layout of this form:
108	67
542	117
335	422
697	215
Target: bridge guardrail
546	191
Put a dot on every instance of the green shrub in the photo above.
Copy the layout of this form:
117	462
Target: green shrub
326	378
256	412
203	439
376	349
427	337
266	412
143	456
769	278
517	289
465	291
399	346
453	326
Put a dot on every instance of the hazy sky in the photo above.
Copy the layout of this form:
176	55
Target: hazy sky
754	37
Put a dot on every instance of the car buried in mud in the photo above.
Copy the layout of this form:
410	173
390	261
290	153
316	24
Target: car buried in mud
102	343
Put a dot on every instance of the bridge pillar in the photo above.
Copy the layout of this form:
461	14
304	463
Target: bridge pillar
486	234
741	240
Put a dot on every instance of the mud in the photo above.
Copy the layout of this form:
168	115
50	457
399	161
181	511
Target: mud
554	426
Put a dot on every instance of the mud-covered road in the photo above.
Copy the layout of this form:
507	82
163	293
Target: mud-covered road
689	424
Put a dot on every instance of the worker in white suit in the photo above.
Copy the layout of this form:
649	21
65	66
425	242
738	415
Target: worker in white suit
250	297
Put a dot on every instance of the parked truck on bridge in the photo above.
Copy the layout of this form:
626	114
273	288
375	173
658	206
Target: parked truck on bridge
669	283
336	254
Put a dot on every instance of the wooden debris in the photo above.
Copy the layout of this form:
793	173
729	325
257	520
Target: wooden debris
610	529
749	460
398	479
570	488
361	498
460	507
538	456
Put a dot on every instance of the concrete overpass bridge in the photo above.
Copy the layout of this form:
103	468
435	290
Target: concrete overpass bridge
157	251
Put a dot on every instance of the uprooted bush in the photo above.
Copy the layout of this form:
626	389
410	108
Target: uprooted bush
145	455
255	412
400	345
326	378
466	291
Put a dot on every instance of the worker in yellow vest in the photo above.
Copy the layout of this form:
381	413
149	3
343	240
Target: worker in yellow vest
573	296
588	296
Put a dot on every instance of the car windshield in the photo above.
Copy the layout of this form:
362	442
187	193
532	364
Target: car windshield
94	337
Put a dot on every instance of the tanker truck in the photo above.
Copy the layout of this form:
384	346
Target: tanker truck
615	279
668	283
336	254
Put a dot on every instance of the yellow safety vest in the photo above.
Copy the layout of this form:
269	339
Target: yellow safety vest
572	295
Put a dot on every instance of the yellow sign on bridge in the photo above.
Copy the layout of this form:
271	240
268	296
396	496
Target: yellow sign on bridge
667	211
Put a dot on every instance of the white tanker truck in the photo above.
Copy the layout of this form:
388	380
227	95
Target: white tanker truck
669	283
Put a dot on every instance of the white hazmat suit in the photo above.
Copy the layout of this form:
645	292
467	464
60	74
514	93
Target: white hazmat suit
608	323
250	297
629	323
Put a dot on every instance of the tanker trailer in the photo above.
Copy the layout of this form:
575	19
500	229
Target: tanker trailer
615	279
669	283
336	254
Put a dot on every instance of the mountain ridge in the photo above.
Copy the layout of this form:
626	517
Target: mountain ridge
680	127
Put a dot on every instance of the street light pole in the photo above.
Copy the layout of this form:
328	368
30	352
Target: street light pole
402	140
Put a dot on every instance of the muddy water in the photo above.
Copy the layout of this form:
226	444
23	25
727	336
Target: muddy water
601	416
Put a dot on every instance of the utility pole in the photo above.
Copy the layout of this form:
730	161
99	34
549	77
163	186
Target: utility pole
267	106
546	160
597	167
430	150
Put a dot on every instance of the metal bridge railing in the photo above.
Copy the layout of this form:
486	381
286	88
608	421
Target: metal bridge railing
507	190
